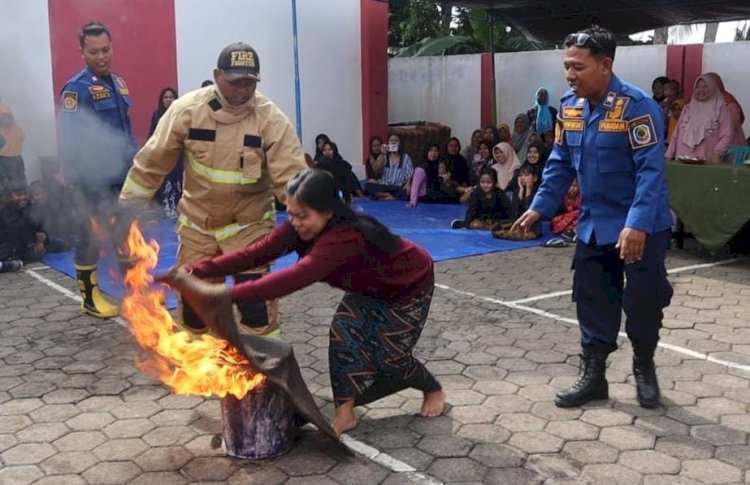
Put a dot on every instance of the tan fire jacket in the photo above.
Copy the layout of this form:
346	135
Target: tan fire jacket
236	158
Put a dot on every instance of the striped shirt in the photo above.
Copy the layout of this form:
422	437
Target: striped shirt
398	174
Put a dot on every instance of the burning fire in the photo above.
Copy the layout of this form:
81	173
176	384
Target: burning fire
188	364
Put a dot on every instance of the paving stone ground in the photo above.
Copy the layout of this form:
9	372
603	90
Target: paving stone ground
74	410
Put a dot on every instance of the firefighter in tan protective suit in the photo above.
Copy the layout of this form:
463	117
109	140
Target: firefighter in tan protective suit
240	150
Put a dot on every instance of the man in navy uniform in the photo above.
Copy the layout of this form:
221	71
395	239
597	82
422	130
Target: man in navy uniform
96	150
609	135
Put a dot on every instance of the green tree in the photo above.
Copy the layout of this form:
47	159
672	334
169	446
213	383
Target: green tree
429	28
410	21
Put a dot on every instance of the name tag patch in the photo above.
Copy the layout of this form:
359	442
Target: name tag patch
99	93
572	125
613	126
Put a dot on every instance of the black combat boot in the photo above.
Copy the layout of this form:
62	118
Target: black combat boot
644	372
591	384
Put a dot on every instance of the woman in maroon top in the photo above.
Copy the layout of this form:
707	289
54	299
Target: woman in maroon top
388	281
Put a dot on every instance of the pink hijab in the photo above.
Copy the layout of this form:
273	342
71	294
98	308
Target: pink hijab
505	170
702	116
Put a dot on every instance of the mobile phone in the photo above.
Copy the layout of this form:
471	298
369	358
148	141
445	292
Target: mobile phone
393	147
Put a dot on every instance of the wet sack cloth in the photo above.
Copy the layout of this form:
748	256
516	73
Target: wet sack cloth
273	358
502	231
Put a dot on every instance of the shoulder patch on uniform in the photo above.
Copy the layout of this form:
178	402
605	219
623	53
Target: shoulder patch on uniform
617	111
70	101
642	133
99	92
559	132
122	86
609	101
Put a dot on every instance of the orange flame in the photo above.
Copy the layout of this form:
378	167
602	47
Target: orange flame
188	364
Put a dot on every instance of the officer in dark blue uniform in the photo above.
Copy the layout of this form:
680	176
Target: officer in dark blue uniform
609	135
96	151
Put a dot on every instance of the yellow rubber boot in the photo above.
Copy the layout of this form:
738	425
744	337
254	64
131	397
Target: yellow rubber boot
94	302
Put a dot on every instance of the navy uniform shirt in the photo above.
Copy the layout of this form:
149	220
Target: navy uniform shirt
616	150
96	140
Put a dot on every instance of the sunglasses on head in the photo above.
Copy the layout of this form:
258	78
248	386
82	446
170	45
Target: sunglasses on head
582	39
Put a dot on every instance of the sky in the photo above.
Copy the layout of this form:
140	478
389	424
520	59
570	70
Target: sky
725	33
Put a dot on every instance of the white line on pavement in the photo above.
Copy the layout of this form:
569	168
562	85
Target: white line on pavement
54	286
671	271
543	313
66	292
384	459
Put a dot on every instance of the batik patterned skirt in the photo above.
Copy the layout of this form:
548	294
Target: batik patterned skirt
371	344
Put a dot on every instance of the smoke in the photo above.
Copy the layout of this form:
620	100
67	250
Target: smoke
26	84
92	151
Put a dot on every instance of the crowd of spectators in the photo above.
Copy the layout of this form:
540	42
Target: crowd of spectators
495	174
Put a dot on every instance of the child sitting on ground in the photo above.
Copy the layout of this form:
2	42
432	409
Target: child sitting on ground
51	216
487	206
20	238
566	221
523	194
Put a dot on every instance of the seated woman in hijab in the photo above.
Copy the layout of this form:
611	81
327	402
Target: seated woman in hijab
319	141
506	164
521	132
735	110
341	170
705	129
542	116
432	180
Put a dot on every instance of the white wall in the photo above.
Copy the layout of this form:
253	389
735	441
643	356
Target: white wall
447	89
730	61
329	56
204	28
329	39
441	89
641	64
520	74
26	81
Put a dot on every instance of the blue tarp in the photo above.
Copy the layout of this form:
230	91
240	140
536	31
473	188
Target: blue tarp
427	224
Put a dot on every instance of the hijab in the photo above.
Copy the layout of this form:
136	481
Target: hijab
318	152
457	163
544	121
728	97
519	137
508	138
703	115
505	171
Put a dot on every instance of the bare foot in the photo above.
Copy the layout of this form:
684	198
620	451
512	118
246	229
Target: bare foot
433	404
344	419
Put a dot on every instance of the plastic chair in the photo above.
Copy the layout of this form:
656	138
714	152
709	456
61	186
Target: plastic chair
739	154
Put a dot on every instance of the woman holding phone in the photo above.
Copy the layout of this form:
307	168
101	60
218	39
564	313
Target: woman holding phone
395	181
